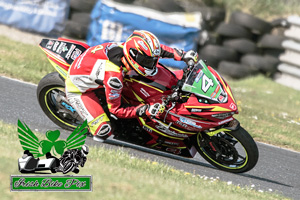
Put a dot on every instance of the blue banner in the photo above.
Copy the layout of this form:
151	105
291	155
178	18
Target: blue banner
41	16
114	22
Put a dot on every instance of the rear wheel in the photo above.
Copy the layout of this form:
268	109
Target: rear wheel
232	151
52	99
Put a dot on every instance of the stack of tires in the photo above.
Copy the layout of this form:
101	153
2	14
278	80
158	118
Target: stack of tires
79	18
242	47
289	68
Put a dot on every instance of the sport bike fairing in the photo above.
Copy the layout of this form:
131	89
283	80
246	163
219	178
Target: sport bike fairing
62	52
203	83
210	96
148	89
206	102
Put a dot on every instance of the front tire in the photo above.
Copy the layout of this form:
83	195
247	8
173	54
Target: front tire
231	151
52	99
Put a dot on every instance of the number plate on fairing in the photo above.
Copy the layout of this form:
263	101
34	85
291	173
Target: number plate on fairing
203	83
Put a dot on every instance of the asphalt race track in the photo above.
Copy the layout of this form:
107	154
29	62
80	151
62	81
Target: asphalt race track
277	169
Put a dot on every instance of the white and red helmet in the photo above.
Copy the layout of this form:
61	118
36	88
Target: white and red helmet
142	52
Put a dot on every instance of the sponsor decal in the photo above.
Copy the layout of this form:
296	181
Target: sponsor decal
156	52
70	51
104	130
147	129
196	110
55	45
115	83
222	115
199	76
189	122
49	44
169	132
113	96
181	124
225	121
171	143
80	109
174	150
232	106
97	120
114	91
99	70
221	98
77	52
67	106
143	91
61	48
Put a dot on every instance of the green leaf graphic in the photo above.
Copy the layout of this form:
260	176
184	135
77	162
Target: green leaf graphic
60	146
52	135
46	146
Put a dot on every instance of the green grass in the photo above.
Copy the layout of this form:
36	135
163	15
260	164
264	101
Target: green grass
269	111
22	61
118	175
265	9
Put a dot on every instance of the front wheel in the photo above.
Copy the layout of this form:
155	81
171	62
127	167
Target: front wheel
231	151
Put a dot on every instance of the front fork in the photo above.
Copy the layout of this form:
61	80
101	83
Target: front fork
204	138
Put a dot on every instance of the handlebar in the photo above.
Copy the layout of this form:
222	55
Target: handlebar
175	95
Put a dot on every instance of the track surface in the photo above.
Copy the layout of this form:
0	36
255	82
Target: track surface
277	169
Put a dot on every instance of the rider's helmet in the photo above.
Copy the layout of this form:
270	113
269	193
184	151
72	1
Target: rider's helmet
85	149
142	51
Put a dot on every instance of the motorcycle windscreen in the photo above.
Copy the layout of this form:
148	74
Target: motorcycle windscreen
203	83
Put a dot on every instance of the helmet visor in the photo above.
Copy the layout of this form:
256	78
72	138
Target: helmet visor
146	61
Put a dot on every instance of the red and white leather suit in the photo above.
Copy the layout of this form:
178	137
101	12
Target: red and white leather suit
102	66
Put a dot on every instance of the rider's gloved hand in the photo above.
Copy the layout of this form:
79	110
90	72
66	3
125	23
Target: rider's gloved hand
150	110
190	55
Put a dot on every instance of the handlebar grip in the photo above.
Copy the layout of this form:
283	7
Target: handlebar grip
191	63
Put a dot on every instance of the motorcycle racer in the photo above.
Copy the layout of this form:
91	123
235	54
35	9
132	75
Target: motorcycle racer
104	66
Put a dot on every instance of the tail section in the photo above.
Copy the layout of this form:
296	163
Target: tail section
62	52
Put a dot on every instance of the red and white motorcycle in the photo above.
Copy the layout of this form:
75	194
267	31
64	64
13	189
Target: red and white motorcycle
198	115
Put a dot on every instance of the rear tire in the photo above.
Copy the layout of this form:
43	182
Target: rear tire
50	89
232	158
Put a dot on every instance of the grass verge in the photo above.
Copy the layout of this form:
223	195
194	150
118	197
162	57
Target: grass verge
268	111
118	175
23	61
268	9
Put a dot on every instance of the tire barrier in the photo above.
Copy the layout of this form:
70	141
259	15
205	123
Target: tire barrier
289	67
79	19
45	17
262	47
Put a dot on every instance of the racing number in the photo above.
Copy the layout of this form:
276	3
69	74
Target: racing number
206	83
